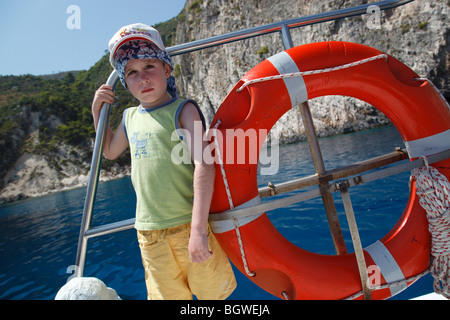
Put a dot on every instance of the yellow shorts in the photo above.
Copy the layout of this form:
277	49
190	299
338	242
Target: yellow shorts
171	275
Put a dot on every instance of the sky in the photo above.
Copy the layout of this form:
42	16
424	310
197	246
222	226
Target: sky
49	36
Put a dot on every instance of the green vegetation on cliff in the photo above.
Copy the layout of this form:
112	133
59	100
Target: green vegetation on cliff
40	114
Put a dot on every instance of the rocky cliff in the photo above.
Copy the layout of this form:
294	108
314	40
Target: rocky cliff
416	33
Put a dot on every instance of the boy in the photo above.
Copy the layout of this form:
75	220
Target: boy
173	200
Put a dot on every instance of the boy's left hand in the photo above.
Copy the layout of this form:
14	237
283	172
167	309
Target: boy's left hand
198	248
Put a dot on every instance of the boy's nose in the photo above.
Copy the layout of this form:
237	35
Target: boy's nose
143	78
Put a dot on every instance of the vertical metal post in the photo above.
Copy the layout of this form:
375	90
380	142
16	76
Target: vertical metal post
93	180
319	166
286	37
327	198
359	253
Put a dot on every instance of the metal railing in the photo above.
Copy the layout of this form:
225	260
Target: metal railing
325	188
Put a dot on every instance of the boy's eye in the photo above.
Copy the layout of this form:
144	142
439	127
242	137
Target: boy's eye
149	66
131	72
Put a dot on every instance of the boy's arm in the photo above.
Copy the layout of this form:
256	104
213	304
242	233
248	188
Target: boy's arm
204	175
115	142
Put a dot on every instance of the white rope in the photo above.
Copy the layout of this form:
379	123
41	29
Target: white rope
222	169
230	200
311	72
433	189
241	247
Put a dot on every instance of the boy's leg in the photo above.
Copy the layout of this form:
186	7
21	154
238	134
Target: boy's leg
213	279
163	276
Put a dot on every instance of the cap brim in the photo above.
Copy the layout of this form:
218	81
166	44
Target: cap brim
127	39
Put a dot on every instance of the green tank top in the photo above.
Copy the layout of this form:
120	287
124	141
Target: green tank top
164	189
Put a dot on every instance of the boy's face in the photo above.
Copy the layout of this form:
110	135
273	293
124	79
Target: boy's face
147	81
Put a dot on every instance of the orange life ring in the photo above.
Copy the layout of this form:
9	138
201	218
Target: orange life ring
414	106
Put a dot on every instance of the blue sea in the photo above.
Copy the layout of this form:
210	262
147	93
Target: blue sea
38	237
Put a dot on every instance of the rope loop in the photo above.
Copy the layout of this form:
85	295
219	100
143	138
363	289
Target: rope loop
433	190
312	72
230	199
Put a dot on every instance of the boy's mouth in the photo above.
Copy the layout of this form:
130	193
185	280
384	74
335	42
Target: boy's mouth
146	90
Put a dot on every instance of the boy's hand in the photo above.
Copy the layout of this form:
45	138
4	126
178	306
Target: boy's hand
115	142
102	95
198	247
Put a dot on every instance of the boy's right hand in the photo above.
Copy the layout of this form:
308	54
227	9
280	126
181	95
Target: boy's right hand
103	95
114	142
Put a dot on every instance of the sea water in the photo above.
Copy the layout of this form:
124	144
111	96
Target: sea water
38	237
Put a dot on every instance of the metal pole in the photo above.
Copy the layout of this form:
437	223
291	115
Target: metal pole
359	253
327	198
314	193
93	180
334	174
277	26
286	37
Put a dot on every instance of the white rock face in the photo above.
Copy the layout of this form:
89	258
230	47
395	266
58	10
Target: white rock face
80	288
415	33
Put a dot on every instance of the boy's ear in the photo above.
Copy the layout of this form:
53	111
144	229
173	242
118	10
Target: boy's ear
167	69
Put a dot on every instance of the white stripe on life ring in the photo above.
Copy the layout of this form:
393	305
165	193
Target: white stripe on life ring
221	226
428	145
295	85
389	268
